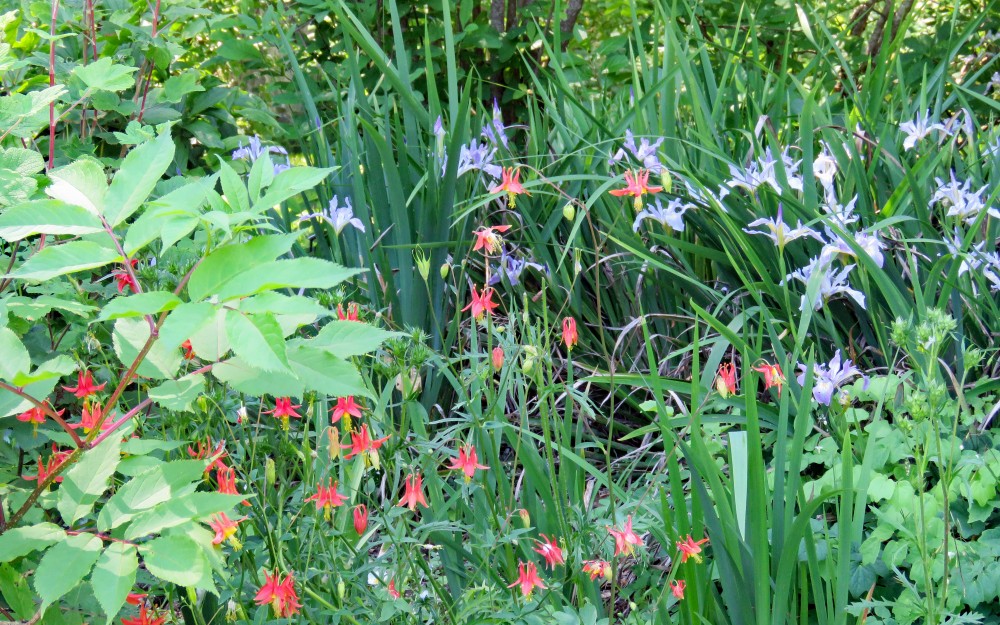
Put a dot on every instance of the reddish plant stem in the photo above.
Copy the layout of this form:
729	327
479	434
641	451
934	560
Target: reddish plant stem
52	83
149	77
48	410
111	539
153	327
117	424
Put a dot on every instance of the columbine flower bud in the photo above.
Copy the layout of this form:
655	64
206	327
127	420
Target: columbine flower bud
270	474
497	357
445	268
341	588
423	264
525	518
569	212
666	181
202	402
333	435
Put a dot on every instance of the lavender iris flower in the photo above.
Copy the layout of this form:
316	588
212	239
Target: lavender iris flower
828	378
511	267
960	200
495	131
476	156
672	216
918	129
337	216
832	283
645	152
780	233
255	150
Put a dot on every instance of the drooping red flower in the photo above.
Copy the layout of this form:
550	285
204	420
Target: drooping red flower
677	588
345	406
145	617
569	334
124	278
467	462
84	385
550	550
413	494
772	375
691	549
362	442
488	239
188	350
206	451
725	381
625	539
225	529
481	304
226	478
597	568
36	416
360	518
284	409
497	357
392	589
527	578
636	185
45	469
135	598
280	594
352	313
510	183
90	416
327	498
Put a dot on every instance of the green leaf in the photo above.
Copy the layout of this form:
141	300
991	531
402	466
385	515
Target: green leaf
290	182
113	577
59	260
15	358
294	273
105	75
177	559
15	189
81	183
216	271
351	338
184	322
178	511
156	485
55	368
233	187
291	311
256	383
21	541
15	591
178	394
257	339
86	481
48	217
139	305
324	372
130	335
139	173
21	161
64	566
170	217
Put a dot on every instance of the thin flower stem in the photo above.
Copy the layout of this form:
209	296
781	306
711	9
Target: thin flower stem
48	410
117	424
149	76
52	83
136	288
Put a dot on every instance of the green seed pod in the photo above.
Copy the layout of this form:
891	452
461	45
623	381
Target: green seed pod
666	181
270	474
445	268
341	588
569	212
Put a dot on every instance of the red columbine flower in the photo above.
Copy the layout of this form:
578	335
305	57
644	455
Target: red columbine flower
360	518
84	385
226	478
144	618
205	451
90	416
550	550
636	185
690	549
35	416
625	538
511	183
725	381
414	493
481	304
346	406
362	442
596	568
678	589
327	498
350	315
124	278
45	469
497	357
284	409
569	334
772	375
280	593
225	529
392	589
488	239
135	598
188	350
527	578
467	461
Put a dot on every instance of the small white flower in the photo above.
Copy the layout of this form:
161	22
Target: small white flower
337	216
825	168
871	244
780	233
918	129
763	171
832	283
960	200
672	216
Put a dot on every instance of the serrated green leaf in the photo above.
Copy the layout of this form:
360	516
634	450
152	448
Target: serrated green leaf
48	217
15	358
15	591
21	541
257	339
177	559
178	394
233	188
15	189
64	566
184	322
130	335
290	182
66	258
216	271
186	509
85	482
139	305
255	382
351	338
113	577
105	75
139	173
170	217
324	372
156	485
81	183
36	307
296	273
55	368
21	161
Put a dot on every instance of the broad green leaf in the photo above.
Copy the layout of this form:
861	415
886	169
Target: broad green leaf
233	188
291	311
65	258
15	189
130	335
21	541
81	183
323	372
184	322
217	270
294	273
64	566
288	183
190	507
105	75
36	307
139	305
158	484
180	85
255	382
179	394
50	369
11	404
351	338
170	217
48	217
177	559
15	358
15	591
113	577
139	173
257	339
21	161
86	481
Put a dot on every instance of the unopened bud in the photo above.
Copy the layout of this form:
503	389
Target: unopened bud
497	357
341	588
333	435
445	268
270	475
569	212
525	518
202	402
